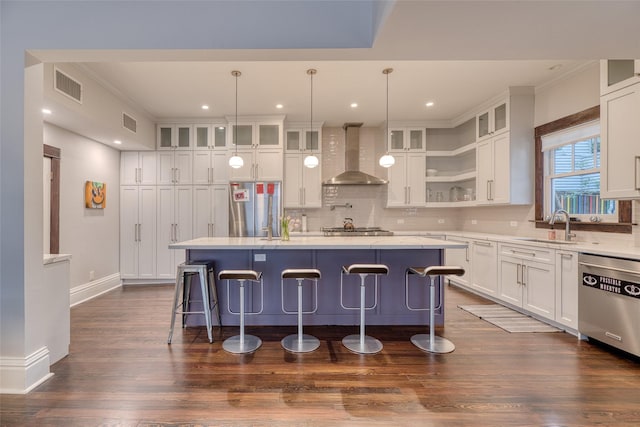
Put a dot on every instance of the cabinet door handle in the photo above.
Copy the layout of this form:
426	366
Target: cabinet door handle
487	244
637	172
466	255
531	254
408	195
518	274
139	232
568	256
524	275
488	190
138	175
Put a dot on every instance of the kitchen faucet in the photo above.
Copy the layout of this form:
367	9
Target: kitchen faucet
567	232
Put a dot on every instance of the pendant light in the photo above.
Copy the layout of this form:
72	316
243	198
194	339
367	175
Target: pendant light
311	161
236	161
387	160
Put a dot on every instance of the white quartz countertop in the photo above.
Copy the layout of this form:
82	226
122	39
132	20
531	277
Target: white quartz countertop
318	242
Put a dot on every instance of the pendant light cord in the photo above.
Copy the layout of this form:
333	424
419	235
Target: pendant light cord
387	121
235	134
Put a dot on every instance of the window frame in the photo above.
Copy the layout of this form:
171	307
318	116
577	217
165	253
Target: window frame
624	206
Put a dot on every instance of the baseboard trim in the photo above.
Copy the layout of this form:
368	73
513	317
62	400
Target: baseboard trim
87	291
21	375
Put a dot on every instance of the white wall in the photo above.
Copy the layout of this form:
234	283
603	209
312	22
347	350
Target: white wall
91	236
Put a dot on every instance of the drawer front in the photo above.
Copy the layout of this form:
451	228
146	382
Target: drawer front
527	252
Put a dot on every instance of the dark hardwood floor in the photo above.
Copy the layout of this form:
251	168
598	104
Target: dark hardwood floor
121	372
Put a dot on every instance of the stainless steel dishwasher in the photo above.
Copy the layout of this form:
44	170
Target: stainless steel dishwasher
609	301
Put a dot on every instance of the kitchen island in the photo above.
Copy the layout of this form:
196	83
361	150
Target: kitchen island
328	254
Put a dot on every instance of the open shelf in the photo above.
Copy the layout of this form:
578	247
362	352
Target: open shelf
464	176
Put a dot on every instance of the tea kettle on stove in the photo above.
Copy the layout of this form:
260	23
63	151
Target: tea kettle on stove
348	224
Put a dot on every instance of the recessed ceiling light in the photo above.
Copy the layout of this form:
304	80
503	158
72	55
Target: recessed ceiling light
205	107
117	141
279	106
354	105
46	111
429	104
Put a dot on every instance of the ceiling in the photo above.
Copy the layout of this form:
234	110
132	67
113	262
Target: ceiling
456	54
178	89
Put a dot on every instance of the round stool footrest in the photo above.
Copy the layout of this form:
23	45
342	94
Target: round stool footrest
294	344
365	269
440	345
437	270
369	346
301	273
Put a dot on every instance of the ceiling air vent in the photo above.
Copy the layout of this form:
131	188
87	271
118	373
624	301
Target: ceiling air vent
129	122
67	86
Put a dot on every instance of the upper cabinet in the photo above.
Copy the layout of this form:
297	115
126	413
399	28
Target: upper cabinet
403	139
617	74
504	155
302	139
173	136
493	121
210	137
137	167
256	134
620	146
259	143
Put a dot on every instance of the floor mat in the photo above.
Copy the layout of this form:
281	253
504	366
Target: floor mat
507	319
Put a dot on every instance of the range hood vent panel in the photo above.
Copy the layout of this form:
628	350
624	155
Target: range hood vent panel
352	174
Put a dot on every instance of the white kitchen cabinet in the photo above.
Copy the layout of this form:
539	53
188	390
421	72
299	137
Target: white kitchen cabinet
259	143
460	257
526	278
210	167
493	170
303	139
567	282
175	224
620	144
493	121
407	185
504	158
138	232
259	165
175	167
302	185
137	167
210	211
484	271
402	139
617	74
210	137
174	136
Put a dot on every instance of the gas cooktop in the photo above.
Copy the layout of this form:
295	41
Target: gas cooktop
356	231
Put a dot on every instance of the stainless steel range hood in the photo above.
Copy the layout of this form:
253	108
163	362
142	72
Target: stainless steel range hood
352	175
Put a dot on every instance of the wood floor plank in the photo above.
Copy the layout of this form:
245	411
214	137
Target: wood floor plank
121	372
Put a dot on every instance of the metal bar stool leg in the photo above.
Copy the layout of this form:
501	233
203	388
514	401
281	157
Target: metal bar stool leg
179	286
361	343
300	342
242	343
204	287
431	342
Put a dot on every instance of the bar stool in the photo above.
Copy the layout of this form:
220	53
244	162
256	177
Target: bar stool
361	343
242	343
430	342
300	343
204	269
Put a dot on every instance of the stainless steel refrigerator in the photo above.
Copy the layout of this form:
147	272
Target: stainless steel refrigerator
253	207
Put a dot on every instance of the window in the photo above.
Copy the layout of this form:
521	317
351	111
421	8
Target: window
568	175
572	174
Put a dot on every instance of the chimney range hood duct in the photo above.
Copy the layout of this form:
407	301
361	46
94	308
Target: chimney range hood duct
352	175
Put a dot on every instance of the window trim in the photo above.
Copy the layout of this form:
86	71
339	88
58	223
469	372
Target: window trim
624	206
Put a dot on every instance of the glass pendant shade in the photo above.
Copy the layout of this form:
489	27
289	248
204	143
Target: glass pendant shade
387	161
236	162
311	161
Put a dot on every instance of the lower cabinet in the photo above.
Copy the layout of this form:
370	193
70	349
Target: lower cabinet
460	257
527	278
174	213
567	282
484	261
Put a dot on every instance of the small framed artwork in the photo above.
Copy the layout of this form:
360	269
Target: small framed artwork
95	195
